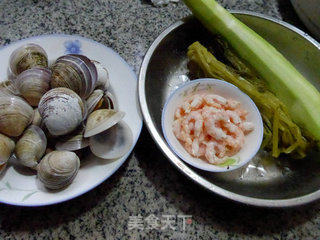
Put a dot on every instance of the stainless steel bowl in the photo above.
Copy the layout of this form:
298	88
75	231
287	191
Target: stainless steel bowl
309	13
165	66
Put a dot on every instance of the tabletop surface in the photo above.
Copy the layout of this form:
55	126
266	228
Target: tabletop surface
147	189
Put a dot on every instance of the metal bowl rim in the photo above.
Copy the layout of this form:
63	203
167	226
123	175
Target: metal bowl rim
259	202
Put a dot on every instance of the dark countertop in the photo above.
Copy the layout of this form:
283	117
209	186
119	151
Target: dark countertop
147	183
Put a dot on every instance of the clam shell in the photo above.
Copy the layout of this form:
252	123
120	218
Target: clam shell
93	100
112	143
6	148
73	142
26	57
75	72
15	115
103	81
31	146
2	167
108	101
37	120
61	110
33	83
100	120
57	169
92	69
8	89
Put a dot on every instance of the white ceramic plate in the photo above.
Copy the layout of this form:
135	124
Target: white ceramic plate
24	189
252	141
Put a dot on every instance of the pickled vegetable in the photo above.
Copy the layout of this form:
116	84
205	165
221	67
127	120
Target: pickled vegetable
281	134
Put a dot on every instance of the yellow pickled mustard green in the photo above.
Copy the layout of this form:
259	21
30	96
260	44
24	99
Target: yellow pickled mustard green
301	98
281	134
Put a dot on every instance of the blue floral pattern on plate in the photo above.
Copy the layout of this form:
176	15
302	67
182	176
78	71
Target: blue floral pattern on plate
72	47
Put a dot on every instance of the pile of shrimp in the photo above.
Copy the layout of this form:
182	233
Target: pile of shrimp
211	127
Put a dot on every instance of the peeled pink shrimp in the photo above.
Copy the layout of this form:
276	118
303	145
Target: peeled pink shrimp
232	104
207	111
234	117
196	148
211	154
199	147
220	149
213	99
180	133
211	127
196	102
246	127
235	141
241	113
194	121
192	103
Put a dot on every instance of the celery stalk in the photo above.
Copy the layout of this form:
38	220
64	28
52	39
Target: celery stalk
300	96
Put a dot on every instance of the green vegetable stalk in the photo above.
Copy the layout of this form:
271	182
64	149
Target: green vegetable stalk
301	98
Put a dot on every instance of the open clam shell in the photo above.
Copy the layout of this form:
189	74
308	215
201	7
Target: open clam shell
7	146
26	57
103	81
61	110
33	83
112	143
31	146
75	72
93	100
108	101
73	142
100	120
57	169
15	115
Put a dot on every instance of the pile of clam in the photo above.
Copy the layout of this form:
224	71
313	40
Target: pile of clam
49	115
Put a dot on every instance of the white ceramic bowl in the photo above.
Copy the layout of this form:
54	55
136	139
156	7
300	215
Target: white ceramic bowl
252	141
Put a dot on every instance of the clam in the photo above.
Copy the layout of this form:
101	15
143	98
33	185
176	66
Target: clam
15	115
76	72
26	57
112	143
103	81
33	83
57	169
31	146
108	101
7	89
61	110
93	100
100	120
2	167
37	120
73	142
6	148
92	69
